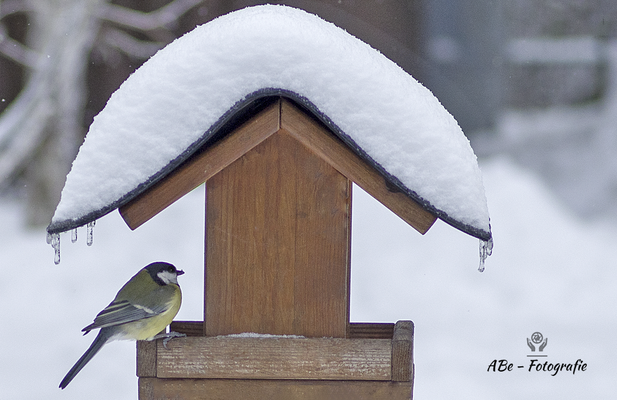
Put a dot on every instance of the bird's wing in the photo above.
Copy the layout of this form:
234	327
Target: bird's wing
121	312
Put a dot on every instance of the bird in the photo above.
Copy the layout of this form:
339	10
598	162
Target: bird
143	307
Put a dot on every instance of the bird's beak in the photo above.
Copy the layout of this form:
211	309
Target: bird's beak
179	272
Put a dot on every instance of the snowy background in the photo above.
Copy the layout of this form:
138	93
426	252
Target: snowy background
550	272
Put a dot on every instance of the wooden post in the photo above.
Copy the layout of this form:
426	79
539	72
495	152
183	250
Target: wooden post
402	352
277	244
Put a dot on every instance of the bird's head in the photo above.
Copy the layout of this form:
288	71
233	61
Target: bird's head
163	273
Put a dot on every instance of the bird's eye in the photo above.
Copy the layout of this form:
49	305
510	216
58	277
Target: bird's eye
171	269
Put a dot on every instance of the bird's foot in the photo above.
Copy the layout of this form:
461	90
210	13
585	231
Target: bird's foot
168	336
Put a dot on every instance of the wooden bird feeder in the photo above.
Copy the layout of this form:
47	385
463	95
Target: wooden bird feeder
277	262
278	173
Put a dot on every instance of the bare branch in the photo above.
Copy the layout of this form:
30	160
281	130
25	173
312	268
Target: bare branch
16	51
160	18
28	113
127	44
41	129
50	103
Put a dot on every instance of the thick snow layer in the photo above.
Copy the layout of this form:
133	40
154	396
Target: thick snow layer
181	92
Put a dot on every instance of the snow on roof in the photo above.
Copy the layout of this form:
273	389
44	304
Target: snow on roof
183	94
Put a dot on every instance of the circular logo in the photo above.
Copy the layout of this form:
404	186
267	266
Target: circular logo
537	337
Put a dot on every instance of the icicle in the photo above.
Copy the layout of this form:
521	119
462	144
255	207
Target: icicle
486	249
89	235
74	235
54	240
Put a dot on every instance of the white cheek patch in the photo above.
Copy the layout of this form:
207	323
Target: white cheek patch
168	277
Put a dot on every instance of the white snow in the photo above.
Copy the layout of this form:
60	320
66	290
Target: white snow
168	104
551	272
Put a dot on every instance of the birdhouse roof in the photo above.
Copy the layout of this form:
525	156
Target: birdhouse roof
189	94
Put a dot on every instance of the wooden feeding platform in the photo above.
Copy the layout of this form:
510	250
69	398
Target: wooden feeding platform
374	362
277	262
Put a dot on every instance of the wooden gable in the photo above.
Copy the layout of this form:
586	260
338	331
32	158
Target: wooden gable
278	214
281	116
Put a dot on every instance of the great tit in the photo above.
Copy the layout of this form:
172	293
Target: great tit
143	307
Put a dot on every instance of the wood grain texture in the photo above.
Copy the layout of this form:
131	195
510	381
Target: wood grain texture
189	328
281	368
402	352
232	389
201	167
146	358
277	244
371	330
336	153
356	330
227	357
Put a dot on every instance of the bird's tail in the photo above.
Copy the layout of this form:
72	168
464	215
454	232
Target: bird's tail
94	348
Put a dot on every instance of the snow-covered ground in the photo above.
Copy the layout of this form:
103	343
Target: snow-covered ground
550	272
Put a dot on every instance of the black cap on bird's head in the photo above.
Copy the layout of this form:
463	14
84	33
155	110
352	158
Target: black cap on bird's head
163	273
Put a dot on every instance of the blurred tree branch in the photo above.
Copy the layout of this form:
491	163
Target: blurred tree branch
134	19
42	128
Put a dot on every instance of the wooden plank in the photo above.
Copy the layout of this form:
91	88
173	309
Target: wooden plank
249	245
189	328
322	247
371	330
146	358
337	154
402	352
231	389
357	330
277	244
225	357
201	167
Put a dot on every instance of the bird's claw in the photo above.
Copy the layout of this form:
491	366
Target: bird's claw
167	337
170	336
